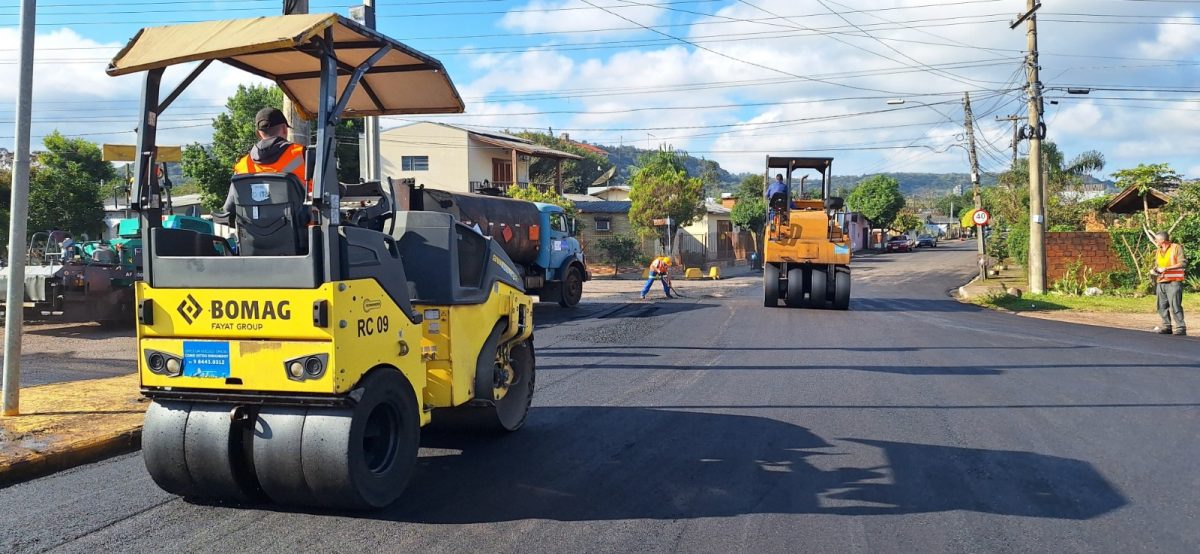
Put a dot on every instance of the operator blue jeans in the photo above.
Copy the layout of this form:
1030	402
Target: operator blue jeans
650	282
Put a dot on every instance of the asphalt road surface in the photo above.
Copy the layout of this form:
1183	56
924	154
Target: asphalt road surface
910	423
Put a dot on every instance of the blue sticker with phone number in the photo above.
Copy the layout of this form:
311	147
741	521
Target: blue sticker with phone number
206	359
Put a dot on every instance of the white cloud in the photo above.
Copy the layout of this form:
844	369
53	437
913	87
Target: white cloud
573	16
1176	38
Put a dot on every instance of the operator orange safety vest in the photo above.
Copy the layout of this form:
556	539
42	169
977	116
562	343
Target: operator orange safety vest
1172	256
292	161
658	266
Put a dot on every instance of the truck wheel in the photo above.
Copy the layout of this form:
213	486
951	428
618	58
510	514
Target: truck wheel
820	282
162	446
841	288
795	287
572	288
362	457
770	285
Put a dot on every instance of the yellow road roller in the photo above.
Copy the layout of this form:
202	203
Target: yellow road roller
301	369
806	255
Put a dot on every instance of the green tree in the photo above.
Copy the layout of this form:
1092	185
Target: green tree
906	221
62	151
64	196
619	250
1143	178
661	188
577	175
750	186
533	194
233	135
878	198
65	185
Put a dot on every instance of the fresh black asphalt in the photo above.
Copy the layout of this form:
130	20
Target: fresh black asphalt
910	423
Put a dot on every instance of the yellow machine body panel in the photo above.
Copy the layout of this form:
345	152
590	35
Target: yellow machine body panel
247	336
806	235
243	340
454	336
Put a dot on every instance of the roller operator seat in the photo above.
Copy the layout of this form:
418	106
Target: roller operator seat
270	214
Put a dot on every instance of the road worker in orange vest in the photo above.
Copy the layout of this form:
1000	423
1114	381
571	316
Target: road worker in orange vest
272	153
1168	274
659	268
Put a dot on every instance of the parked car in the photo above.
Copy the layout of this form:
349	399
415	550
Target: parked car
899	243
928	241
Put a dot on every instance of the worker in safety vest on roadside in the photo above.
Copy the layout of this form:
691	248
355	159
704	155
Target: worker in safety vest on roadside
272	153
1168	275
659	269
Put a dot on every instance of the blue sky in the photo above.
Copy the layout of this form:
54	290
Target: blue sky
729	80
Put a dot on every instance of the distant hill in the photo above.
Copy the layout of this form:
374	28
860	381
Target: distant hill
911	184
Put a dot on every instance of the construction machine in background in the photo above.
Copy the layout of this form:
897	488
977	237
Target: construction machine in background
806	255
538	237
301	369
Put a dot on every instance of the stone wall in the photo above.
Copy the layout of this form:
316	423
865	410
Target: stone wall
1094	249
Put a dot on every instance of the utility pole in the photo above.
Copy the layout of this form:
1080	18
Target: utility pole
1014	119
298	133
1037	132
19	212
969	122
373	171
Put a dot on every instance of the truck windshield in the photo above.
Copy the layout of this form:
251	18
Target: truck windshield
558	222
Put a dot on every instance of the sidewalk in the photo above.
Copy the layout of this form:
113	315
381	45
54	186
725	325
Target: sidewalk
68	424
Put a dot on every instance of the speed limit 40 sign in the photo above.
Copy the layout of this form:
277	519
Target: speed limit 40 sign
981	217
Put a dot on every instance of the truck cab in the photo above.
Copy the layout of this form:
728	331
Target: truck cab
560	253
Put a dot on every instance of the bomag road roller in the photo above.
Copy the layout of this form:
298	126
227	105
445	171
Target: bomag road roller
806	255
301	369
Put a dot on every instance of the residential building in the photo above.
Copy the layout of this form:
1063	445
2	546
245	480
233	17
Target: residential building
604	218
710	238
463	159
620	193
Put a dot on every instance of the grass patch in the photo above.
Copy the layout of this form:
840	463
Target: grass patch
1105	303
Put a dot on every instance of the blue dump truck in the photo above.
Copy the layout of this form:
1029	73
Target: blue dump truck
539	238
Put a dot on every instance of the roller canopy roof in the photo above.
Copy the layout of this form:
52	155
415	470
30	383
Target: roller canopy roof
774	162
283	49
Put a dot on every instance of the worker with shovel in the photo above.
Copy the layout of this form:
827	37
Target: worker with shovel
659	269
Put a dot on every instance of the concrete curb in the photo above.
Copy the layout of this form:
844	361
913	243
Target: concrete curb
67	456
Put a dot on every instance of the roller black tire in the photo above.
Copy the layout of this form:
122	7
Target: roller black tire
214	450
496	416
770	285
163	446
512	410
572	288
363	457
820	287
841	289
277	448
795	286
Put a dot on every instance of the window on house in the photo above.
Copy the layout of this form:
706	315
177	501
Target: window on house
603	225
414	163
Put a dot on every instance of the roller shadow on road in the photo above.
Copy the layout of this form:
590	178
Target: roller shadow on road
591	463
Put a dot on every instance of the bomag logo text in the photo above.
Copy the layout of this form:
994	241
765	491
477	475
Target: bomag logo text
251	309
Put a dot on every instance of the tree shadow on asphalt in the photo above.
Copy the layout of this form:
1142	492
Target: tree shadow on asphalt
920	370
546	314
591	463
910	305
93	331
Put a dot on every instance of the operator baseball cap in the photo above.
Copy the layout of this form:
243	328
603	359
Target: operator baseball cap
269	117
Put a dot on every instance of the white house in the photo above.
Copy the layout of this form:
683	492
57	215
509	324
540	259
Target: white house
462	159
